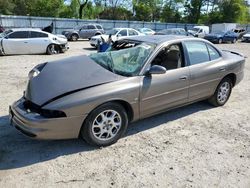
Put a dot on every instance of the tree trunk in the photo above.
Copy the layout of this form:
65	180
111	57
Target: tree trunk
82	5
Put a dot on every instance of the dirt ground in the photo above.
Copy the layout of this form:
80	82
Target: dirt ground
194	146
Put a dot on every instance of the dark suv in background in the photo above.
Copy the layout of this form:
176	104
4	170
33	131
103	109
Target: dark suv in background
85	32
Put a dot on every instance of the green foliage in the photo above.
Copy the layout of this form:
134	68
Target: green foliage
233	11
189	11
6	7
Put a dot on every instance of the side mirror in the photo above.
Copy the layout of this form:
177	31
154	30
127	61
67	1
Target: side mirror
119	35
157	69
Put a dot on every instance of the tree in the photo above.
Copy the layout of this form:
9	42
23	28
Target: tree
193	10
6	7
82	4
170	11
234	11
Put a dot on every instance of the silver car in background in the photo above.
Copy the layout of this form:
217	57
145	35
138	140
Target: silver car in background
96	96
85	31
31	41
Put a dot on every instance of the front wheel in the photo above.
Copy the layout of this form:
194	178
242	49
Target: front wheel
222	93
220	41
234	40
105	125
52	49
74	37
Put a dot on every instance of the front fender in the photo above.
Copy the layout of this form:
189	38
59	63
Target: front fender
84	101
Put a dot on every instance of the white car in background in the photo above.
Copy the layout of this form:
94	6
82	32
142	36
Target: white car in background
146	31
116	34
246	37
31	41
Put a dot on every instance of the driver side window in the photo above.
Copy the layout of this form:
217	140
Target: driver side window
170	57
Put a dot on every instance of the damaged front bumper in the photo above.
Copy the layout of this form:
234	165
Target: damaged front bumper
36	126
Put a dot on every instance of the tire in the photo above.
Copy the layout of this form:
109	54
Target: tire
220	41
74	37
234	40
98	128
222	93
52	49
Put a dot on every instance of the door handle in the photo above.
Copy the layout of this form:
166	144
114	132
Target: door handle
25	42
222	69
183	78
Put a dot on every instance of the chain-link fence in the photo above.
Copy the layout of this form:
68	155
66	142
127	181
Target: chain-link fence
61	24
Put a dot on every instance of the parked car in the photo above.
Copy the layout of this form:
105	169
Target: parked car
146	31
199	31
221	37
116	34
31	41
240	32
173	31
85	32
246	37
96	96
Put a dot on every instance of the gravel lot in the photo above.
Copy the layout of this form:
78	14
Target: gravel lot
194	146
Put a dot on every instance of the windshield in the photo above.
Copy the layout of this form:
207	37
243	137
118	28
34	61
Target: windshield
112	32
5	33
196	29
125	62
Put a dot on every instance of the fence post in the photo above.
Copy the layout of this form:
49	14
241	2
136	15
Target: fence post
1	20
30	21
55	25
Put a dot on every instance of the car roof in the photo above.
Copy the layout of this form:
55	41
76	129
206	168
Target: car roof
26	29
158	39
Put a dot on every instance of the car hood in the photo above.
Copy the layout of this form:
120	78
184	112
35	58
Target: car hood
63	77
105	37
61	39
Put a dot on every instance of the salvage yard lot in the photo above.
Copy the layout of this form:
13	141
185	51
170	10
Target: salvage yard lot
193	146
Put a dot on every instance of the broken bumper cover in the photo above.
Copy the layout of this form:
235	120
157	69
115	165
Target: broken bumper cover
36	126
64	47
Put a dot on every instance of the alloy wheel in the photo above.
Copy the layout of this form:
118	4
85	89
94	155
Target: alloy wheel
106	125
223	92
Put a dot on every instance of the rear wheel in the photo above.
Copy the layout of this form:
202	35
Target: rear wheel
222	93
53	49
105	125
74	37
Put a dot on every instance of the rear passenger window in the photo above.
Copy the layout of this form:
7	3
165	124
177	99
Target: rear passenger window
99	27
34	34
19	35
197	52
91	27
214	54
132	32
123	32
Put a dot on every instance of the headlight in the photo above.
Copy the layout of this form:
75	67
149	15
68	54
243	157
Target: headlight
33	73
36	70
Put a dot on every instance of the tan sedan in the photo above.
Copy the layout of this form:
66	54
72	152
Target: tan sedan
96	96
